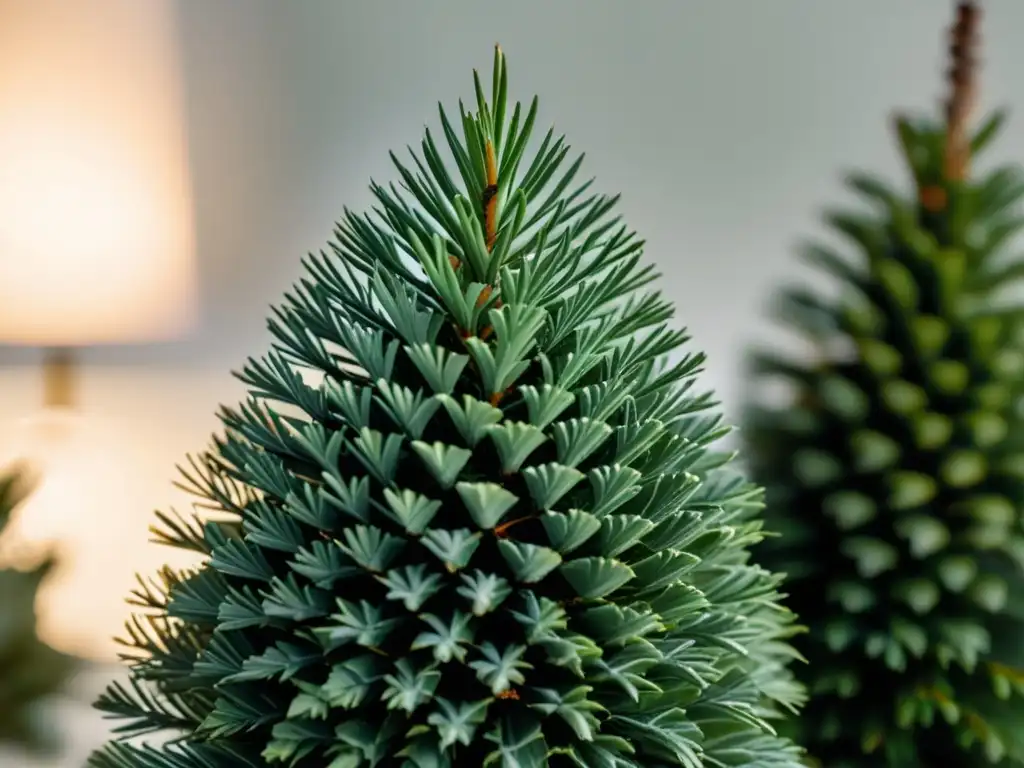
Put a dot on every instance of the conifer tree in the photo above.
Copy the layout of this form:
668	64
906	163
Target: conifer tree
896	475
29	668
470	514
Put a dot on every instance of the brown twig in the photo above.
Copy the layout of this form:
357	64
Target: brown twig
490	198
962	78
933	197
502	530
485	294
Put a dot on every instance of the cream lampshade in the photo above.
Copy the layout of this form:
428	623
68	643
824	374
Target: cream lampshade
95	204
95	235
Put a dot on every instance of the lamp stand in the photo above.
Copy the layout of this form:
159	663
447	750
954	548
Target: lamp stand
59	377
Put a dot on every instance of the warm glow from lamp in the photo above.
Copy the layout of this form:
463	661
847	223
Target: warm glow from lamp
95	248
95	204
86	506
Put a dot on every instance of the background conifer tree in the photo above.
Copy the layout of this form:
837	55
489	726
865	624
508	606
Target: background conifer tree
896	477
29	669
470	515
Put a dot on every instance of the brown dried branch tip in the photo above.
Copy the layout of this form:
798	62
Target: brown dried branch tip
962	76
490	198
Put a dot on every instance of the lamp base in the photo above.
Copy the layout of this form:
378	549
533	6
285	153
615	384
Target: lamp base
59	377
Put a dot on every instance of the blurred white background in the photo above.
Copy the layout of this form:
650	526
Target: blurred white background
725	125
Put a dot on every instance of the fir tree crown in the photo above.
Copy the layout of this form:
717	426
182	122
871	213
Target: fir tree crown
470	514
896	474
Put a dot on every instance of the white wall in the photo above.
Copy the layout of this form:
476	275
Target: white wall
724	124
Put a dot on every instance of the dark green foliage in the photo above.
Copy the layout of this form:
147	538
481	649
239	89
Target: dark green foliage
29	669
896	476
484	526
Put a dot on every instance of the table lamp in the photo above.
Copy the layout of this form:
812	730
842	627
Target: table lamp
95	219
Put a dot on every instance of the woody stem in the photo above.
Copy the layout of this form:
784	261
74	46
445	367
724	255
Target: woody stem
963	88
